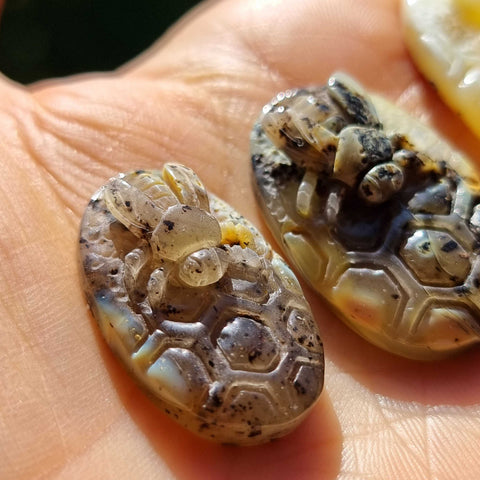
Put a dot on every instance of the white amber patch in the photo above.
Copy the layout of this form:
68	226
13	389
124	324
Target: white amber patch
179	375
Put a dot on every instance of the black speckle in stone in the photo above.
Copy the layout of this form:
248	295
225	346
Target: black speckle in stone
283	173
377	147
216	400
357	107
299	388
94	203
169	224
170	309
253	355
449	246
425	246
367	190
462	290
308	122
323	107
257	158
255	433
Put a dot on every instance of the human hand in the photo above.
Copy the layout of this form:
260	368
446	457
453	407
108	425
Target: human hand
192	99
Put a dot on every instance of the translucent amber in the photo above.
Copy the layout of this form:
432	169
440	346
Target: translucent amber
377	212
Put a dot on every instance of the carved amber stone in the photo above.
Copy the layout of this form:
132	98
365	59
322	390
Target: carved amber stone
379	214
207	318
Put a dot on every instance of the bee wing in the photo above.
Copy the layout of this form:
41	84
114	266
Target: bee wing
353	99
186	185
131	207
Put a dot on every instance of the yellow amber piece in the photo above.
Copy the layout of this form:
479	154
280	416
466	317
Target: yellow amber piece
443	37
469	11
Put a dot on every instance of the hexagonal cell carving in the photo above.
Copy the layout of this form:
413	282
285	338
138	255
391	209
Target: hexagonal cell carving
248	345
253	405
304	379
435	199
298	323
369	296
168	374
446	324
436	258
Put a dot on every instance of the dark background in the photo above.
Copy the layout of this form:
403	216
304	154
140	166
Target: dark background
50	38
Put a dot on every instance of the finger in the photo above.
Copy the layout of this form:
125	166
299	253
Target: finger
193	100
227	59
296	41
201	90
300	43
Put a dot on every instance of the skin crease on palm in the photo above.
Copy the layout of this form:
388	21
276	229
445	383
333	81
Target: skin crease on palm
67	408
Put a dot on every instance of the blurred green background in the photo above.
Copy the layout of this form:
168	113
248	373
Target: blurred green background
51	38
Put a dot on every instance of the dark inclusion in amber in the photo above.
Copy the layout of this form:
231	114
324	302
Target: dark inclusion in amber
377	218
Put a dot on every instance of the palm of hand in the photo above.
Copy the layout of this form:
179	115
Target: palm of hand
193	100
